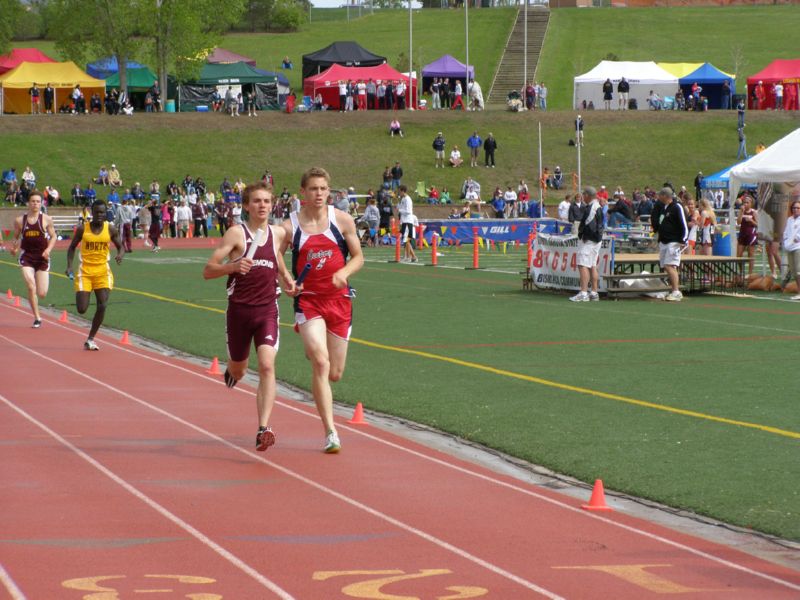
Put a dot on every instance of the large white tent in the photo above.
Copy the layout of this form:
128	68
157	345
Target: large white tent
642	77
777	170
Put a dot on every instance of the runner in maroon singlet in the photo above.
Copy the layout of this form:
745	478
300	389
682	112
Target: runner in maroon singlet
323	237
38	236
748	230
252	315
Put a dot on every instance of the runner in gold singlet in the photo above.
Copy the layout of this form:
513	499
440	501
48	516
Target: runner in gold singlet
94	274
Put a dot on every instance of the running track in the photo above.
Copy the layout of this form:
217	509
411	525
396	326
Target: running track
130	475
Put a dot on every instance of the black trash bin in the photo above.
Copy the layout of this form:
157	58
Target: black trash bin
632	104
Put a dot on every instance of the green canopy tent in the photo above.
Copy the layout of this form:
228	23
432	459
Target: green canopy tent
139	81
218	77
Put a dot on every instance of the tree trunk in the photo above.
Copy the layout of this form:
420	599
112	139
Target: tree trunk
122	63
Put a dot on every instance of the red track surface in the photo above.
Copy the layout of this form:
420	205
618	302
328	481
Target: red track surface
134	474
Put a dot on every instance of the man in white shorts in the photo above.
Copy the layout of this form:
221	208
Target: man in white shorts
590	237
669	222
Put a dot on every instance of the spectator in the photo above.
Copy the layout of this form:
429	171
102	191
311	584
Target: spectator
90	194
29	178
471	190
498	204
791	243
78	196
621	213
558	178
287	63
542	94
184	216
444	196
49	96
405	211
575	212
726	95
623	89
385	207
114	178
654	101
199	216
608	91
394	128
563	209
372	217
438	149
474	143
400	91
523	196
590	237
455	157
692	222
102	176
489	147
372	90
510	197
397	175
708	226
742	152
748	227
669	222
579	130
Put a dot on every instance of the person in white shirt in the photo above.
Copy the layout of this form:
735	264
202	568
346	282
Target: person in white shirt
791	243
542	96
563	209
455	157
29	178
510	196
778	89
184	216
400	92
342	95
405	209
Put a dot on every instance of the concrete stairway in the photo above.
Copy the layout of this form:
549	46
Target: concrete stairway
509	74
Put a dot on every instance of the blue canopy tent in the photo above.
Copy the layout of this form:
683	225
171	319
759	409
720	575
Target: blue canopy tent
710	78
719	180
106	67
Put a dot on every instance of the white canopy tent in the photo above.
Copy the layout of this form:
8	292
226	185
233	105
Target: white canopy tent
642	77
778	164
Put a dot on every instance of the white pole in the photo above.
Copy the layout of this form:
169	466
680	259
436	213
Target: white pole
410	55
466	27
578	146
541	190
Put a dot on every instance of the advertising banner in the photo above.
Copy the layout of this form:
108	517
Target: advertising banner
497	230
555	265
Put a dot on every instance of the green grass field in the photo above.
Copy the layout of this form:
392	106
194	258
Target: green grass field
595	390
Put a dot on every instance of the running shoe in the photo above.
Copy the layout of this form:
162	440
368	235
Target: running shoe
594	297
796	297
674	297
229	379
37	323
90	345
332	443
264	438
580	297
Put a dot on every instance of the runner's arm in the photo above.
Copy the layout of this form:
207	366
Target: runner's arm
289	285
76	239
114	232
348	229
17	234
51	231
232	244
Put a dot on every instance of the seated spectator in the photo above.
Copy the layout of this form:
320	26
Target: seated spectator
53	196
114	178
645	208
654	101
287	63
78	196
90	194
455	157
433	195
127	108
470	189
536	210
102	176
318	104
394	128
622	211
454	214
95	105
444	196
216	101
680	100
29	178
545	181
558	178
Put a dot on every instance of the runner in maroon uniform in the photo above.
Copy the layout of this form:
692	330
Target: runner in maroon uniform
38	236
322	236
252	315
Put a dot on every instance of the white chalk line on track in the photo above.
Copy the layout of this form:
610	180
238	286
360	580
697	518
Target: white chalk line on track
286	471
170	516
11	587
478	475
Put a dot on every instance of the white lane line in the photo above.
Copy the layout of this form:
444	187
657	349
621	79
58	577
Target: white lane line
286	471
198	535
487	478
11	587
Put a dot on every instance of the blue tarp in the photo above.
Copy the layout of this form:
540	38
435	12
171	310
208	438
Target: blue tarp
719	180
710	78
106	67
281	77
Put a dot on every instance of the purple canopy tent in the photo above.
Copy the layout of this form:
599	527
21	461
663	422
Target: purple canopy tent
446	66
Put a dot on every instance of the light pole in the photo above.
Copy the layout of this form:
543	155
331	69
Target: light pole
525	56
466	36
410	54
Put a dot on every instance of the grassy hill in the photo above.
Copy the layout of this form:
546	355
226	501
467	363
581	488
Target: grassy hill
577	39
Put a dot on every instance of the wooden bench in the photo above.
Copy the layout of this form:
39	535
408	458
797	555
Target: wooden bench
656	283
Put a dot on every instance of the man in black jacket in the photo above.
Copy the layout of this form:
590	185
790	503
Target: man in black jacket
669	222
489	146
438	147
590	238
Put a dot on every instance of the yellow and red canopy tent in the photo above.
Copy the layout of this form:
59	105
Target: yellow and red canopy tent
63	76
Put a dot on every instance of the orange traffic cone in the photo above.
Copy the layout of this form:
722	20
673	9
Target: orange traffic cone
125	341
63	317
16	301
214	370
358	415
598	499
10	294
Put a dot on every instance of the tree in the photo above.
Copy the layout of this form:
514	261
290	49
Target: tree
11	11
97	27
183	32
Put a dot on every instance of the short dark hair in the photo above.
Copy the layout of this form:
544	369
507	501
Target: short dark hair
254	187
98	202
314	172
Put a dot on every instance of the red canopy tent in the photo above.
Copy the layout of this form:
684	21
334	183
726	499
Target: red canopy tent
222	56
20	55
786	71
327	82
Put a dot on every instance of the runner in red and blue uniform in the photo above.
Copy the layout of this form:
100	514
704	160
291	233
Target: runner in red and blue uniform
252	316
323	237
35	237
